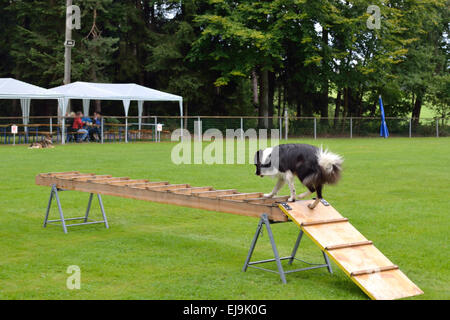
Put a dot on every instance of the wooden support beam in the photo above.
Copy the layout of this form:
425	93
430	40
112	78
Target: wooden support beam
191	190
267	200
60	175
144	185
86	178
108	180
169	187
127	182
214	194
313	223
374	270
240	196
72	177
202	200
348	245
53	174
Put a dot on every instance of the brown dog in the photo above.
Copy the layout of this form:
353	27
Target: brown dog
46	143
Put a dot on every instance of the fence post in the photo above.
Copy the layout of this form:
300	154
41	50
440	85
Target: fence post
286	124
154	130
242	128
280	126
315	128
437	128
101	130
351	127
199	129
157	133
410	128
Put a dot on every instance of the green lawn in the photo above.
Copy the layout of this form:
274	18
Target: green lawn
394	191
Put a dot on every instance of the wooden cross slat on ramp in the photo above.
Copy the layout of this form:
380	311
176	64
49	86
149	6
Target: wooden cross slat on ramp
375	274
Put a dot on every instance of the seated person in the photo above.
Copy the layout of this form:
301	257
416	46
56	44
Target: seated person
94	129
78	126
70	117
87	122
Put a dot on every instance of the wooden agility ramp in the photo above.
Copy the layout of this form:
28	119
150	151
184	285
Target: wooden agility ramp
207	198
375	274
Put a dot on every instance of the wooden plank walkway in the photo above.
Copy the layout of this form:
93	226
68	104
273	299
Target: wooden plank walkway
375	274
207	198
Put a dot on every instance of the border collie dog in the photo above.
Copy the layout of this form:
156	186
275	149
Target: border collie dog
313	166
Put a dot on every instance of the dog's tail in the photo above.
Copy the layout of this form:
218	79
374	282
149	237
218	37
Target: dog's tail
331	165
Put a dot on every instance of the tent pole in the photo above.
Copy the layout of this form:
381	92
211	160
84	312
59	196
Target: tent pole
126	129
126	106
181	114
62	107
140	110
86	103
63	129
25	106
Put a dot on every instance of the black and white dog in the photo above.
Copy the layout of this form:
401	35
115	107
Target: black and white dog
313	166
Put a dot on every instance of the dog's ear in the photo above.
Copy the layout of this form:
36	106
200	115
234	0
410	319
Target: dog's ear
258	156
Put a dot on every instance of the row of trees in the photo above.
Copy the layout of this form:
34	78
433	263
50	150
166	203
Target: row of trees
310	57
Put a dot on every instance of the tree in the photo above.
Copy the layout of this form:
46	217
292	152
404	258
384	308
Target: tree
238	38
243	57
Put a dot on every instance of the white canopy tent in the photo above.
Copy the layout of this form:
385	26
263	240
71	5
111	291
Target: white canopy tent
14	89
126	92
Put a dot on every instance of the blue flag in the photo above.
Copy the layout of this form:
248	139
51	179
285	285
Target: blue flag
383	129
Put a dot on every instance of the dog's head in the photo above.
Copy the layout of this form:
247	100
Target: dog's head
48	139
263	162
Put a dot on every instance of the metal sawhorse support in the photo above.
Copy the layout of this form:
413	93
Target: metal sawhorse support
265	221
86	220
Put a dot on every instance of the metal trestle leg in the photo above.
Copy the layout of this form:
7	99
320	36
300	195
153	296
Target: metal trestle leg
54	195
264	221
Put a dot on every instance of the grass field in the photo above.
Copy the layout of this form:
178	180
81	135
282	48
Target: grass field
394	191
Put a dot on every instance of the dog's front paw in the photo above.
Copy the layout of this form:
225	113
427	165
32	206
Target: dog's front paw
311	205
291	199
268	195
